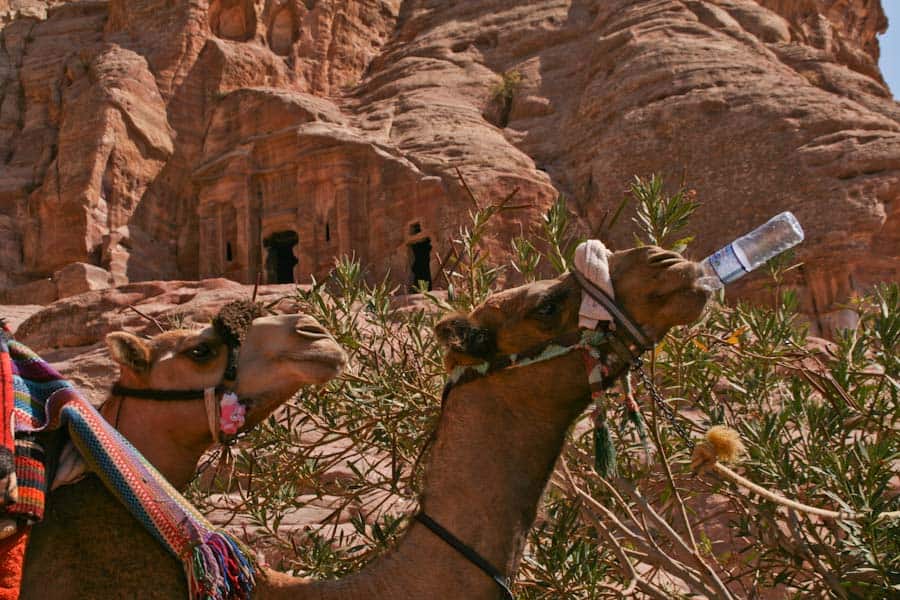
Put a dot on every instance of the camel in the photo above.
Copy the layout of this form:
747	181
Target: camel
85	547
495	446
500	435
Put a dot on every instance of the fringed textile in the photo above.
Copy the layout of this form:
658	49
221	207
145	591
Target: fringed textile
216	566
8	481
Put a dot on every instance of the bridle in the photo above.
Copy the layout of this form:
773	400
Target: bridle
212	397
231	324
608	351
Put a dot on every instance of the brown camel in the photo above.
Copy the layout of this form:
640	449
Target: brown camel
88	545
496	444
499	436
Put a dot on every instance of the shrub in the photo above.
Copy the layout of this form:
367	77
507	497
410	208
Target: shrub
819	425
503	93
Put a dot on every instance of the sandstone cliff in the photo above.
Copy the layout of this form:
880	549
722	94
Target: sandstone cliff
206	138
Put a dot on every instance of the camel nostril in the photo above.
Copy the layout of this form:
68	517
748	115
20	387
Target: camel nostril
312	331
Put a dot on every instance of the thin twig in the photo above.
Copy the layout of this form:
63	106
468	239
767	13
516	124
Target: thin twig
256	286
148	317
836	515
713	578
664	461
825	572
467	188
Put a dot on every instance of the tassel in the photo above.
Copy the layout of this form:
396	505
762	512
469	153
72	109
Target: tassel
604	449
219	570
633	414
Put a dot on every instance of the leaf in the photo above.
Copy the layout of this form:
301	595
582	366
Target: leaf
682	244
734	338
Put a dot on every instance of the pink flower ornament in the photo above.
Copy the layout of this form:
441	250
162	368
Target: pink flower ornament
232	415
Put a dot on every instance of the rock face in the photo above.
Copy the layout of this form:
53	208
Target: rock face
162	139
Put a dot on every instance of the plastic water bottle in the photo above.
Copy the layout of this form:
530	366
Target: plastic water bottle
751	250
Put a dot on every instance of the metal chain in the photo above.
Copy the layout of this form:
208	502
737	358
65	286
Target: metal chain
665	409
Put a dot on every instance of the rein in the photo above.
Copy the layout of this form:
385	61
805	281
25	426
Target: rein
471	555
623	336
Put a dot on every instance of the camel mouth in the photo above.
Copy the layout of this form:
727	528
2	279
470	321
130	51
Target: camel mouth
318	370
323	359
312	370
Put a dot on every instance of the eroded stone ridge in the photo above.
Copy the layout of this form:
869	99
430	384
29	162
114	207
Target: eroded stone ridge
160	139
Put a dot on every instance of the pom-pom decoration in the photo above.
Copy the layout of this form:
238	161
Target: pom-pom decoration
722	444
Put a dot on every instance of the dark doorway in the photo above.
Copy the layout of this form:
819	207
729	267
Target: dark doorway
280	260
421	264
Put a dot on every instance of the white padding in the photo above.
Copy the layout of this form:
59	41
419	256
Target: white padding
592	261
211	401
71	467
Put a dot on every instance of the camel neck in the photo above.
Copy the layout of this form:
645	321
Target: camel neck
160	431
497	441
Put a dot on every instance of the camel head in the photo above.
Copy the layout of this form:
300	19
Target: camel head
657	288
276	356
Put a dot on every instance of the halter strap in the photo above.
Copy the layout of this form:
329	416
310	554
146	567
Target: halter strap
621	318
564	343
166	395
471	555
213	413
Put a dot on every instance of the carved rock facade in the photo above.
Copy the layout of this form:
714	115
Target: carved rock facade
175	139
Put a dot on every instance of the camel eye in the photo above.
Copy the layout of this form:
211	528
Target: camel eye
547	309
201	352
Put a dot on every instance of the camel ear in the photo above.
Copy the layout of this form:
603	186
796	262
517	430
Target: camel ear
129	351
458	334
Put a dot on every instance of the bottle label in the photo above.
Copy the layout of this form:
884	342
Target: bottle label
726	264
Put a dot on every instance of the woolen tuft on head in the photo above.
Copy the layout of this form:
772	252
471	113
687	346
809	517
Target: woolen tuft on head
234	320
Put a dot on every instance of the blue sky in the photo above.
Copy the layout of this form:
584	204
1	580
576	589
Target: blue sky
890	46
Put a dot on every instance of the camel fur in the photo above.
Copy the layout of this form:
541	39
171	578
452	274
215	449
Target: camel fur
499	437
88	545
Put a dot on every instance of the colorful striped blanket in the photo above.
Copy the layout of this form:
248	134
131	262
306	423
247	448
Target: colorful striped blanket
216	565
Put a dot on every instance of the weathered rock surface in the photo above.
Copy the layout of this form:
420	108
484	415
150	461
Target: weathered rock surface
71	280
77	278
86	318
226	138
